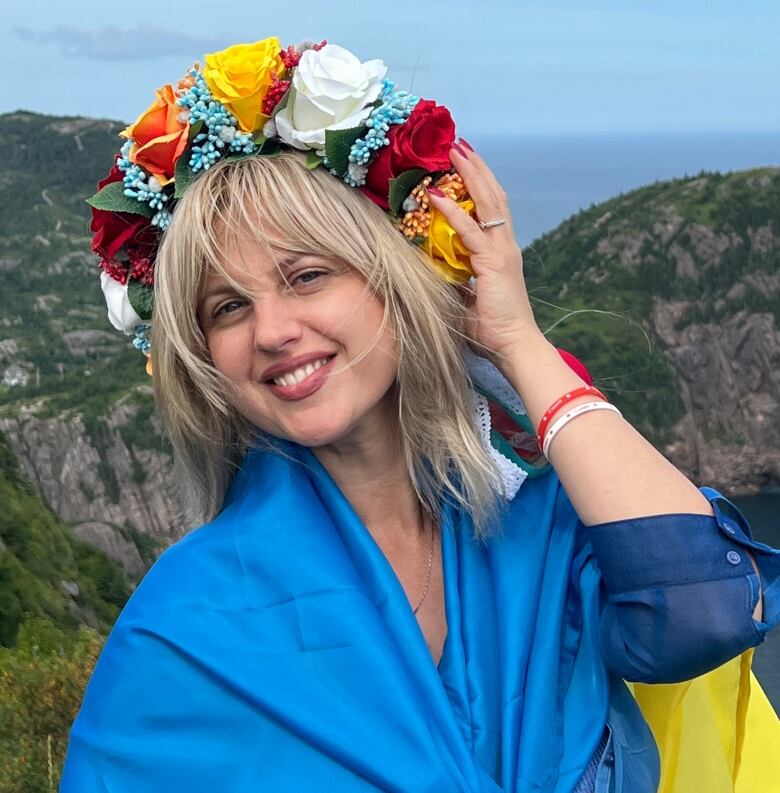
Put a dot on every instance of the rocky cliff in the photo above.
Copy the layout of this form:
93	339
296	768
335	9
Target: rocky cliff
99	481
690	271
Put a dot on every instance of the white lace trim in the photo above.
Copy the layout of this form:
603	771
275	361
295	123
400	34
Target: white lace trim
512	476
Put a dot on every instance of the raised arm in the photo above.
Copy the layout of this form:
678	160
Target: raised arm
612	475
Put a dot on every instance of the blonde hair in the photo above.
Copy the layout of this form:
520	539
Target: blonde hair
314	213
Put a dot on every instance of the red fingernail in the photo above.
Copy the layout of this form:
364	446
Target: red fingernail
465	143
436	191
461	151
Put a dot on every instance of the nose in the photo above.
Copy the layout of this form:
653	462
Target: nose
276	323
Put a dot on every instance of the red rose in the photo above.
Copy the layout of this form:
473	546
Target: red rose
115	231
423	141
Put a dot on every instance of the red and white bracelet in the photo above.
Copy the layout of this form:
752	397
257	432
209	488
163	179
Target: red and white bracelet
585	390
571	414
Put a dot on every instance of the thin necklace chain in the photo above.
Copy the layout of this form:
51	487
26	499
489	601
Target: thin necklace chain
430	562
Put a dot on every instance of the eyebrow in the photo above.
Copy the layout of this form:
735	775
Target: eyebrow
290	259
227	289
222	289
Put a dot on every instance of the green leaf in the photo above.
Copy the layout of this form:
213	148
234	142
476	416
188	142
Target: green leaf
141	298
112	198
313	160
400	187
182	174
338	142
271	146
259	139
195	130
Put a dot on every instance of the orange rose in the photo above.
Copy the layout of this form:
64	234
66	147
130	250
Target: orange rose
159	136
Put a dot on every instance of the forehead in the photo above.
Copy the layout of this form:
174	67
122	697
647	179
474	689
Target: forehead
246	256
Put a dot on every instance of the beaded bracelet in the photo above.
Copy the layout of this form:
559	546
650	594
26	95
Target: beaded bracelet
585	390
571	414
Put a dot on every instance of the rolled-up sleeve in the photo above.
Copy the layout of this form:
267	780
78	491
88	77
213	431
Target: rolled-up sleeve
680	591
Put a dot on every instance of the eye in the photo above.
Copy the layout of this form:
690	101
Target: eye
230	307
307	276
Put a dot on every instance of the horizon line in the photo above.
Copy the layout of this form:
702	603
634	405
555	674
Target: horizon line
566	133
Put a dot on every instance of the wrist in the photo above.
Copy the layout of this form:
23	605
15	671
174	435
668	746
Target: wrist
540	376
526	356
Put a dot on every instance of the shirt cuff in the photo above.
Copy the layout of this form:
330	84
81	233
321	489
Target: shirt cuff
665	551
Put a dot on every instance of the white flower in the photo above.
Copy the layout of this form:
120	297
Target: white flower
331	89
120	313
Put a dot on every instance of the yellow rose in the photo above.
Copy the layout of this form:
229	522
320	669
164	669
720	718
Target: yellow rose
240	76
450	256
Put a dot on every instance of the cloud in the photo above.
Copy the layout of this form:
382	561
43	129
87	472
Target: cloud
123	44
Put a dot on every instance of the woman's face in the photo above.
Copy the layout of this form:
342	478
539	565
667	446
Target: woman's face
289	347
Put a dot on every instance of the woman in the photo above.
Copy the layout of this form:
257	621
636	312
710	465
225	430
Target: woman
380	599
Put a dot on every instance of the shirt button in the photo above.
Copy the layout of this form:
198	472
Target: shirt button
729	527
733	557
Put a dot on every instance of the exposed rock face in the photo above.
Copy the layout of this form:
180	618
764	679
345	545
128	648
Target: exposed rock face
109	540
68	467
729	378
95	342
696	263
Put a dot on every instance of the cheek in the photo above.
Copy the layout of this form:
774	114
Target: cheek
228	353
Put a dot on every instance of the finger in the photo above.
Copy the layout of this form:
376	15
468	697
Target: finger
484	169
463	224
489	198
486	200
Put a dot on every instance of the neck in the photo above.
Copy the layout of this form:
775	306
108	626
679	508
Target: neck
370	471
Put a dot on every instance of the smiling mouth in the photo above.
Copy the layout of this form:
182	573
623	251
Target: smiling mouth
300	374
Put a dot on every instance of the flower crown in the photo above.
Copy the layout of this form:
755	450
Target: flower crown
253	100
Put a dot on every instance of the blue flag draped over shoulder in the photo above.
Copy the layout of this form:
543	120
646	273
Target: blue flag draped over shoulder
274	649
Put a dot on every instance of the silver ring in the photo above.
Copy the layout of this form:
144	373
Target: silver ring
490	223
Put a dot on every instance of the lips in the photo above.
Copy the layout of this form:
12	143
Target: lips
310	384
289	365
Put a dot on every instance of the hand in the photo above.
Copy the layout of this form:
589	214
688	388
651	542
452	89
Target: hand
503	314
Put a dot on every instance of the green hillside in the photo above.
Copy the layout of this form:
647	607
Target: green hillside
708	245
44	570
48	276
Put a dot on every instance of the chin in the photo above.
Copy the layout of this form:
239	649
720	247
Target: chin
315	433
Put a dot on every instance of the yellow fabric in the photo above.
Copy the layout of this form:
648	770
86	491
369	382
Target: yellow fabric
717	733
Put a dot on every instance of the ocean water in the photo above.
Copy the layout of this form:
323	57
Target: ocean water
549	178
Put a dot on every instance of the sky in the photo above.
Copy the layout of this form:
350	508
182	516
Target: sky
563	67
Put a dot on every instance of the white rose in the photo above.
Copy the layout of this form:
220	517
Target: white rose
120	313
331	89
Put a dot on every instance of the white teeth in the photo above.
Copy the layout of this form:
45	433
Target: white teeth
292	378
